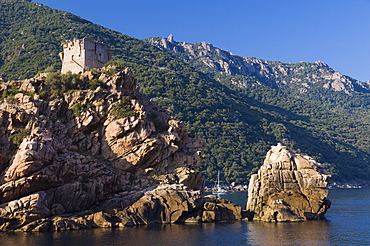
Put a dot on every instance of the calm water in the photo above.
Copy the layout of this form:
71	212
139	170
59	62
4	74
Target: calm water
347	223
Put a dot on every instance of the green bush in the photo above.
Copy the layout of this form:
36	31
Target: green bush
95	83
71	91
112	67
8	93
58	83
50	69
17	138
54	83
29	93
123	109
94	71
11	100
126	100
44	95
78	108
110	71
116	64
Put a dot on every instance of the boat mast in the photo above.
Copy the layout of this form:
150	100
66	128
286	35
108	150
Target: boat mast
218	179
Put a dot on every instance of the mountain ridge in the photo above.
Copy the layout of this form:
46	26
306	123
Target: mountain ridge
272	73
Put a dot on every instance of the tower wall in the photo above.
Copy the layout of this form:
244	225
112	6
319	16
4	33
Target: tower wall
84	54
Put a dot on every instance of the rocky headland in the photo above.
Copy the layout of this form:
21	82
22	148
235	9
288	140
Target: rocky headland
288	187
101	155
88	151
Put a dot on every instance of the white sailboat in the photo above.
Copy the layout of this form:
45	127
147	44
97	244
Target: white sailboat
218	190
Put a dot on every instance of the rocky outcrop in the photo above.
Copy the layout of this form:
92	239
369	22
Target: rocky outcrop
63	155
164	204
288	187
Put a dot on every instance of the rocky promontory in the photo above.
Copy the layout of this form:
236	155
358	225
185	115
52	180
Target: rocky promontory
288	187
85	151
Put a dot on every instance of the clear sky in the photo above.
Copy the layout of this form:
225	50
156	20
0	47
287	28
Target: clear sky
336	32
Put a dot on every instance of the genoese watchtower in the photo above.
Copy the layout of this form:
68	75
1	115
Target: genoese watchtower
81	55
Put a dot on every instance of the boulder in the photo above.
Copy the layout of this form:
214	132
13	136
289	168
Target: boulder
288	187
165	204
218	209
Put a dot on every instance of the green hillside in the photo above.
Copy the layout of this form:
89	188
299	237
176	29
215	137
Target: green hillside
331	107
239	123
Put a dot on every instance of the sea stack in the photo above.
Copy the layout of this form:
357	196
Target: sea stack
288	187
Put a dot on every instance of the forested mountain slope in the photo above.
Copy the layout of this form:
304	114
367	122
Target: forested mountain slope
239	115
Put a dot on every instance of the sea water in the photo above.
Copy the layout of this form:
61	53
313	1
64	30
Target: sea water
347	223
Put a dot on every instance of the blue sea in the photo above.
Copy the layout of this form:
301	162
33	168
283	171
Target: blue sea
347	223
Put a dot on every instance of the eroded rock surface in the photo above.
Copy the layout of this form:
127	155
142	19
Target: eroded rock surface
66	155
165	204
288	187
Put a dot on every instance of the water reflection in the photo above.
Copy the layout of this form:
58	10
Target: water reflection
296	233
190	234
348	223
235	233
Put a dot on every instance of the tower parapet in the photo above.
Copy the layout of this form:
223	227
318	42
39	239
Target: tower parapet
84	54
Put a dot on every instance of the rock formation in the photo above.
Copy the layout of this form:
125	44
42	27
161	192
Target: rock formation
84	158
302	75
288	187
165	204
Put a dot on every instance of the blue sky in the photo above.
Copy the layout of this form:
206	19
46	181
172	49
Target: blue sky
336	32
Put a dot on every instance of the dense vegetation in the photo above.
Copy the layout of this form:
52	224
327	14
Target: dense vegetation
338	121
239	124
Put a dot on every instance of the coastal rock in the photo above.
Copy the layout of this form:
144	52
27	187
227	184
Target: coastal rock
218	209
288	187
166	204
65	160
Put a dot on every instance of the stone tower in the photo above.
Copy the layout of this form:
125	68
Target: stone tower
81	55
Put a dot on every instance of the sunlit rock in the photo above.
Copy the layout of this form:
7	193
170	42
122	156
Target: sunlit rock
288	187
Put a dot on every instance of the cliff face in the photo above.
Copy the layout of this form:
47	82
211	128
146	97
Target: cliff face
288	187
301	76
86	148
